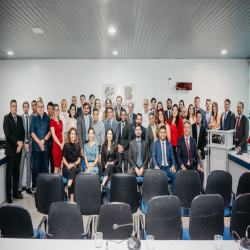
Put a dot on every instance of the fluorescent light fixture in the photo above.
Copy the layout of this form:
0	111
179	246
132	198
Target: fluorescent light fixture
10	53
112	30
115	52
37	30
223	52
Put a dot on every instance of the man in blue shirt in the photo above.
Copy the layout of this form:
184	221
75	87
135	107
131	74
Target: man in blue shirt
40	132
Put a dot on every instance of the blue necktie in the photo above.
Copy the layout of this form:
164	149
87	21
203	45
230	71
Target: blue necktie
87	128
139	162
224	120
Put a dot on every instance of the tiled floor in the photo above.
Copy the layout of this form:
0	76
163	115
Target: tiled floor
28	201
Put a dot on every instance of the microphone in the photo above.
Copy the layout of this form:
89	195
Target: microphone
115	226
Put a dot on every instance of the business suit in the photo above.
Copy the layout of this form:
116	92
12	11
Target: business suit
166	113
118	118
157	159
132	156
27	140
202	138
125	137
115	129
209	116
143	134
230	121
81	129
133	119
152	111
79	111
243	132
14	132
182	156
203	115
150	140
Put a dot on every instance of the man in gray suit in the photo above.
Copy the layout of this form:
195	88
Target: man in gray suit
168	112
131	116
138	154
26	150
111	123
118	109
241	128
84	121
227	117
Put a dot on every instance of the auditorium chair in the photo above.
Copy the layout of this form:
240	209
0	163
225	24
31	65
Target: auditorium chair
163	219
206	218
16	222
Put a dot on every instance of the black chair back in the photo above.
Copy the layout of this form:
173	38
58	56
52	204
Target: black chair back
155	183
187	187
124	189
65	221
220	182
15	222
240	215
88	193
115	213
243	184
163	219
49	190
207	217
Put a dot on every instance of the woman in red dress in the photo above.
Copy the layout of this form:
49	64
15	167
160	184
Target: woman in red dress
56	127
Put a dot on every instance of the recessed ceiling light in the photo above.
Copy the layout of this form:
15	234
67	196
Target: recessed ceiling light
223	52
10	53
115	52
37	30
112	30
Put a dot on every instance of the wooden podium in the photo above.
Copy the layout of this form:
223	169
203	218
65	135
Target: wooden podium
220	142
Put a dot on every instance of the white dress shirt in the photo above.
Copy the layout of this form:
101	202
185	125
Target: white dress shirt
145	119
238	117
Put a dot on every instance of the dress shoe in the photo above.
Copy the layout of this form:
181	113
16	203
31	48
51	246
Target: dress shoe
9	200
28	191
19	196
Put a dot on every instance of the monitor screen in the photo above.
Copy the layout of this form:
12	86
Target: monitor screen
183	86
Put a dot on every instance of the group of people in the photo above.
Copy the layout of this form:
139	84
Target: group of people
155	138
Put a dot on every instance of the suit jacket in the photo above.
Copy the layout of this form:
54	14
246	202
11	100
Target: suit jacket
126	136
143	135
182	154
79	111
166	113
132	154
230	121
243	132
133	119
104	155
115	129
203	115
81	129
150	140
157	154
151	111
202	138
206	124
13	134
116	113
25	134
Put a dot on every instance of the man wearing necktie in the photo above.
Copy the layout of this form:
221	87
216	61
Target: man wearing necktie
138	154
197	107
118	109
153	106
227	117
208	112
163	156
168	112
131	116
187	153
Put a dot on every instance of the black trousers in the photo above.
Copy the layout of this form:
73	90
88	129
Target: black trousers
13	163
111	169
70	175
123	157
175	153
51	160
132	171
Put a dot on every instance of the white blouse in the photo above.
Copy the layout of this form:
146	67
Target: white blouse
64	121
72	123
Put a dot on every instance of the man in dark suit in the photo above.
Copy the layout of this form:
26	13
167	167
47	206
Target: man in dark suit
80	109
163	156
151	135
92	104
227	117
241	128
118	109
153	106
125	137
138	154
197	107
14	133
131	116
168	112
187	153
139	121
199	134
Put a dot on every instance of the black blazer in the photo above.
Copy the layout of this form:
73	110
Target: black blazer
150	140
230	121
143	134
126	136
166	113
116	113
104	155
13	134
243	132
79	111
202	138
133	121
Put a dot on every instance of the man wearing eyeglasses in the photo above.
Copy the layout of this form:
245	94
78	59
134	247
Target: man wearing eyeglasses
145	113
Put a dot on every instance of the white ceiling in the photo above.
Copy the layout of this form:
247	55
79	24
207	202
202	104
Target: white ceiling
154	29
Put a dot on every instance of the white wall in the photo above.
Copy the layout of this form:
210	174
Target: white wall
54	80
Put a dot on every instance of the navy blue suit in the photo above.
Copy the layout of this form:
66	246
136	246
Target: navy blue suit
182	156
203	115
143	134
157	159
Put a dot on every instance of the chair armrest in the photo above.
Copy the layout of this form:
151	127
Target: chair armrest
43	221
181	230
135	231
141	227
35	195
88	232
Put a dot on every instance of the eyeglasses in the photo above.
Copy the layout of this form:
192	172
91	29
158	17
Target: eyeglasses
138	130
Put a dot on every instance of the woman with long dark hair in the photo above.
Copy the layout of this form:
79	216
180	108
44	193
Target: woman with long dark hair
181	105
158	107
162	121
215	118
72	121
190	116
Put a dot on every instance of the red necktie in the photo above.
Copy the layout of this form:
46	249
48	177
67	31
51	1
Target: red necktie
237	127
188	151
